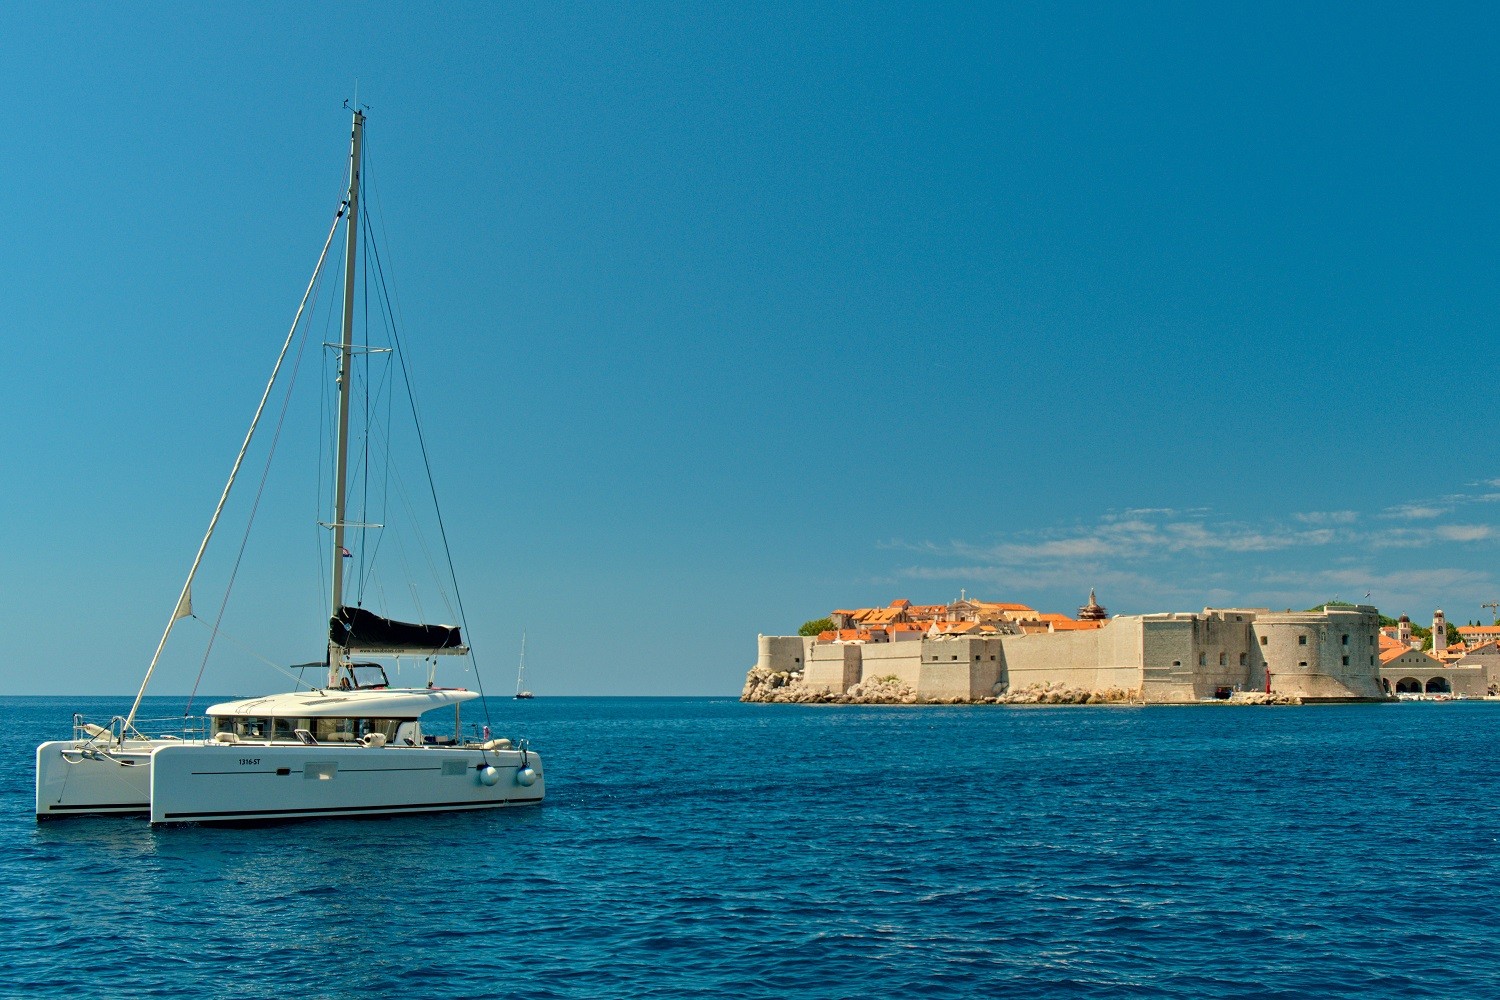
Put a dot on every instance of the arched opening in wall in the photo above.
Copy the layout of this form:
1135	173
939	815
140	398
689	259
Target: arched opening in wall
1438	685
1408	685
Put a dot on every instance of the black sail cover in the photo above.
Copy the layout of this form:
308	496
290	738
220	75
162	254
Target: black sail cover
356	628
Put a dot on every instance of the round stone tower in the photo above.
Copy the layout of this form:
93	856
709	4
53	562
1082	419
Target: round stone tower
1330	654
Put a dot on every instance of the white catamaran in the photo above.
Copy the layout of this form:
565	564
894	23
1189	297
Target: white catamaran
355	747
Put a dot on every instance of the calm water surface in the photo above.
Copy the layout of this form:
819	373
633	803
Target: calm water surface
703	848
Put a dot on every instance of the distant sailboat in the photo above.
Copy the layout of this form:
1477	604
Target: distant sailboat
521	673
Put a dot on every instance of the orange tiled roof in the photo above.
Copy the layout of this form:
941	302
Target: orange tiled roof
845	635
942	627
1389	653
1068	625
901	603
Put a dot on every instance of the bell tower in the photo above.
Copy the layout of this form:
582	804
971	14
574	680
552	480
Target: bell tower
1439	632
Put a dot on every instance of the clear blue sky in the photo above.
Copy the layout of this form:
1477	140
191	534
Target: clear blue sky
727	316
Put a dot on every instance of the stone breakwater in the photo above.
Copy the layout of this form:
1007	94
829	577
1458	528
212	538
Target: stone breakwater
785	687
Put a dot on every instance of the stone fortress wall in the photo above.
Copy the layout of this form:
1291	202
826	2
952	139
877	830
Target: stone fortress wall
1327	655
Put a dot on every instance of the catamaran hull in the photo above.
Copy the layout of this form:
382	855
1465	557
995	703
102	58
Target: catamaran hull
191	782
74	781
214	784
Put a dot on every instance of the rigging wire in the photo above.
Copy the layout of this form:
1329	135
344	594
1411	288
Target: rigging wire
250	651
374	254
314	286
403	495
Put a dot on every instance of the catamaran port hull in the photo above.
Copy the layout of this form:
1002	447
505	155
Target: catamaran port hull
74	779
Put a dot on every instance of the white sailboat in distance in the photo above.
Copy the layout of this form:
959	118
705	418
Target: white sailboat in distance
521	693
356	746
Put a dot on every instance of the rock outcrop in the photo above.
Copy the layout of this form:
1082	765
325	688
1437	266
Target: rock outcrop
785	687
1261	698
1059	694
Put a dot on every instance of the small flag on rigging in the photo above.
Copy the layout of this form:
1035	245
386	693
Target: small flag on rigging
345	552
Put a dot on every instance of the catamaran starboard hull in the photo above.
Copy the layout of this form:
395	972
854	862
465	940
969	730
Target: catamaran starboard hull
203	784
193	782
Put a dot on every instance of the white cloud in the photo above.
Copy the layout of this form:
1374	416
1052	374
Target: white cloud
1415	511
1172	558
1327	517
1465	532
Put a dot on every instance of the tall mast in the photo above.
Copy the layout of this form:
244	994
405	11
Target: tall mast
521	670
346	350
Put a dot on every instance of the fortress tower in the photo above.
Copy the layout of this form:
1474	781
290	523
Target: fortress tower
1439	632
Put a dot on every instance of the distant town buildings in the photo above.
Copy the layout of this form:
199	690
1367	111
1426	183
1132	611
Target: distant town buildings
902	620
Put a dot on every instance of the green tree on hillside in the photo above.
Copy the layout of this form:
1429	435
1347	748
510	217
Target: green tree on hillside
815	626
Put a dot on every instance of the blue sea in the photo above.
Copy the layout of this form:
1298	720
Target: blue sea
704	848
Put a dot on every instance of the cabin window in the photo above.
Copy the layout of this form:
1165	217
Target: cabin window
246	728
347	730
334	730
385	727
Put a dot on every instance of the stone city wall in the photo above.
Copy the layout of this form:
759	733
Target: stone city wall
1159	658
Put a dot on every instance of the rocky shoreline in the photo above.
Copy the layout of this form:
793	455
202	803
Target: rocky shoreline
778	687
